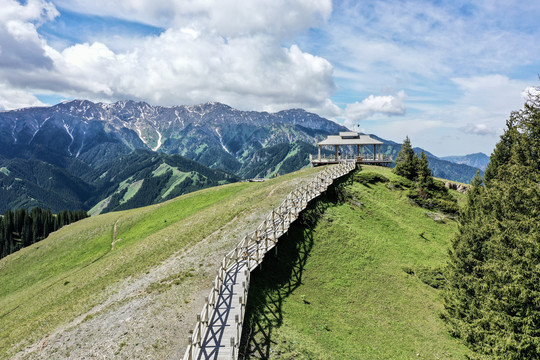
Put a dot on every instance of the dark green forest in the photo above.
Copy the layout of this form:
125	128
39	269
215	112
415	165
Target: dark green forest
21	228
492	296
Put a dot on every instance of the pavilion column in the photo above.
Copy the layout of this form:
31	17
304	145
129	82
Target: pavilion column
319	152
374	152
336	152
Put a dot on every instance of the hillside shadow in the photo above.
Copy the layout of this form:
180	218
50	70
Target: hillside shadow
280	275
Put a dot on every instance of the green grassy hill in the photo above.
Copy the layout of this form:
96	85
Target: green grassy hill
127	285
354	283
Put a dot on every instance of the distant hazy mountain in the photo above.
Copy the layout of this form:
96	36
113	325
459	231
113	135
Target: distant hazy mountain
478	160
439	167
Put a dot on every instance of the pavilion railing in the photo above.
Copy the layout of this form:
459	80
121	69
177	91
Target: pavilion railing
350	157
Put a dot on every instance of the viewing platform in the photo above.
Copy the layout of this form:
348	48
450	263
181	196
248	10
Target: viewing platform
367	159
354	139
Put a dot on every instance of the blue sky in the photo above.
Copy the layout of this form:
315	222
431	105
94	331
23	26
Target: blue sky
447	74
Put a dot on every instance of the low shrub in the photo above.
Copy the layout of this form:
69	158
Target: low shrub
433	277
402	183
366	178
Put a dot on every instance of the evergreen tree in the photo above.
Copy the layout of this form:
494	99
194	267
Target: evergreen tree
21	228
406	161
47	223
2	238
26	234
424	173
493	295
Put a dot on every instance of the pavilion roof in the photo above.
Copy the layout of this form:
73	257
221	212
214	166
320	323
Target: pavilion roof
350	138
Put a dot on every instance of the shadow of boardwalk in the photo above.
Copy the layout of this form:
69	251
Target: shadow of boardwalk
213	343
278	277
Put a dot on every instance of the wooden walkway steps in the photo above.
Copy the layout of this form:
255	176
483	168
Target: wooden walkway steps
218	329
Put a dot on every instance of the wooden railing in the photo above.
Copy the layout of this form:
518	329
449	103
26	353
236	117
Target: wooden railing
250	252
350	158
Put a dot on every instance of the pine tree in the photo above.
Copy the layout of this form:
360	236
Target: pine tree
2	238
493	294
47	223
406	161
26	234
424	173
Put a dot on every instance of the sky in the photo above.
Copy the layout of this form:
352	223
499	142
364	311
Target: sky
445	73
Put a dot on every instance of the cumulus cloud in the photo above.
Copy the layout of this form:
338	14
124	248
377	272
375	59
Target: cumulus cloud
386	104
20	44
15	98
223	17
486	103
227	51
530	92
479	129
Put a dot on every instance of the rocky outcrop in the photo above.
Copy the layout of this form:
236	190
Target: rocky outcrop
462	188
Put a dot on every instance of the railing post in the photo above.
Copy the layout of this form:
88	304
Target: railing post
190	348
198	339
206	305
238	325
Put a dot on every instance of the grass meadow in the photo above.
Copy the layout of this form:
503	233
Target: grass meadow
351	282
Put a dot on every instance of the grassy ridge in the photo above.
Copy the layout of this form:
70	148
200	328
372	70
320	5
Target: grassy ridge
47	285
358	292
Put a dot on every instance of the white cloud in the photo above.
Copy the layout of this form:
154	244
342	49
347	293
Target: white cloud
14	98
531	92
20	44
486	103
224	17
227	51
479	129
386	104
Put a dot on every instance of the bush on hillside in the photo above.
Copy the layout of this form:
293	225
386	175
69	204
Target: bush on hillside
402	183
369	178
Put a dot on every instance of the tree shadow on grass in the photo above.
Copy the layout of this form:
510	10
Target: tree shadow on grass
280	275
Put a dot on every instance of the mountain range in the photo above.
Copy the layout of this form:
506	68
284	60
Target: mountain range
104	157
477	160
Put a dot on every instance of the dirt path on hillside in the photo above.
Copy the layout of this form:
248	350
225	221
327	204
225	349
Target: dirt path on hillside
149	317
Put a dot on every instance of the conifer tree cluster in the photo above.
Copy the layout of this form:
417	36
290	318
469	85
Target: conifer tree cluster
21	228
423	189
492	297
406	161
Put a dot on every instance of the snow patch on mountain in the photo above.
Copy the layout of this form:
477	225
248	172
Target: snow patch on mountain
70	133
158	141
221	140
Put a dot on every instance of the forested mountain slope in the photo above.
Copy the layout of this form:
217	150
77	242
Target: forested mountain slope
133	180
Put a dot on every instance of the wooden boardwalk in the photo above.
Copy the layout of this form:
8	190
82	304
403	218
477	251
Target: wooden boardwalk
218	329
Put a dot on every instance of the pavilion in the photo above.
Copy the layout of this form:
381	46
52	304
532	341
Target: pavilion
350	138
